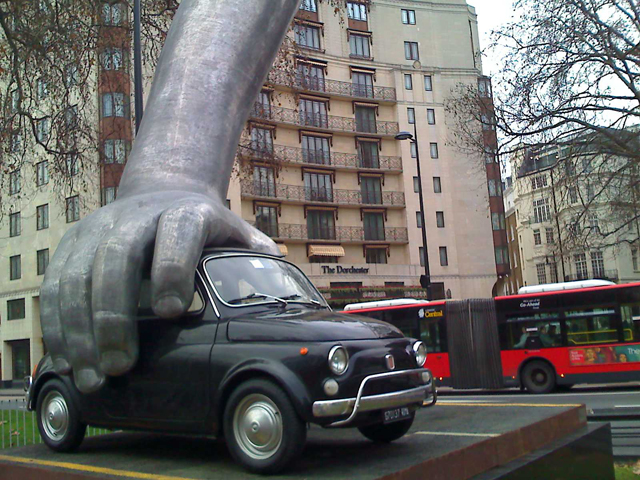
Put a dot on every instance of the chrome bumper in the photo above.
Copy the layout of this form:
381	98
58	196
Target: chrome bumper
28	382
359	404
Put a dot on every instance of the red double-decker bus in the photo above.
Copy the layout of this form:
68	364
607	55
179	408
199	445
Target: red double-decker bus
539	341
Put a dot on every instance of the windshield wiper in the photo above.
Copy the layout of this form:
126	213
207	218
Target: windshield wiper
306	300
259	295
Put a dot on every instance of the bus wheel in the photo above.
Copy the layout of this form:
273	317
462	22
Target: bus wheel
538	377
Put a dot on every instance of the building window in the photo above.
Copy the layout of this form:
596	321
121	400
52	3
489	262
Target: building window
73	209
263	181
495	221
634	259
416	185
411	51
593	222
539	181
421	253
362	85
488	122
15	309
368	154
114	105
359	45
495	188
20	358
373	226
371	190
502	255
484	87
43	89
413	149
490	155
587	165
541	211
411	115
71	76
109	195
541	270
111	59
321	225
357	11
15	267
314	150
437	185
580	260
313	113
433	148
419	219
440	219
261	142
113	14
43	260
14	182
309	5
318	187
115	151
573	195
310	77
42	173
590	193
428	85
537	238
597	264
73	165
376	255
366	119
408	17
431	116
267	220
42	216
16	143
408	81
42	130
444	259
262	107
553	270
307	36
549	235
322	259
15	224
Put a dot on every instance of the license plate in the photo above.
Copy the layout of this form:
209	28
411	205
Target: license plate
396	414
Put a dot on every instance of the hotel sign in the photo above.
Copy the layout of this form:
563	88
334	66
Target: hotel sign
326	269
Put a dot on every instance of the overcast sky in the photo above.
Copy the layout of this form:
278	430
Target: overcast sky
491	14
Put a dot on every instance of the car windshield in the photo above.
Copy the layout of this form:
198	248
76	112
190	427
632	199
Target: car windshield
246	280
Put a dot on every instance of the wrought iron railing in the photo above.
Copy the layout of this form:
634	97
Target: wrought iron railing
294	231
611	275
321	120
336	87
321	157
300	193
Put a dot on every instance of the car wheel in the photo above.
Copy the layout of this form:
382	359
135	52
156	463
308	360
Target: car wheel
58	418
261	427
385	433
538	377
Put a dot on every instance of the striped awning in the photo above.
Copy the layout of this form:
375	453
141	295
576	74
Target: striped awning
326	251
283	249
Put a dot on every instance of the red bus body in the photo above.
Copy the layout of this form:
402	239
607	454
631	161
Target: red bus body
589	335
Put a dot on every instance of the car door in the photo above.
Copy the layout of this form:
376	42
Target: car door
169	386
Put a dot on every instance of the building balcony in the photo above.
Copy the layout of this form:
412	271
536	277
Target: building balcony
303	156
324	195
611	275
300	232
323	121
332	87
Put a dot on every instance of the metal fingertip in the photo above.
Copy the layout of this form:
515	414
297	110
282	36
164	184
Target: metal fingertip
88	380
115	362
61	366
169	306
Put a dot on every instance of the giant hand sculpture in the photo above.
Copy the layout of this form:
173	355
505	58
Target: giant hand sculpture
171	198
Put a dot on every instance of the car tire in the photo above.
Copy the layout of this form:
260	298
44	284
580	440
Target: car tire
58	418
386	433
262	403
538	377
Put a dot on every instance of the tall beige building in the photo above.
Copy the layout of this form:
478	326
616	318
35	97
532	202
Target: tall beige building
342	199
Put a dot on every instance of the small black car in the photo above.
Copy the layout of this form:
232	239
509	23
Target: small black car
258	356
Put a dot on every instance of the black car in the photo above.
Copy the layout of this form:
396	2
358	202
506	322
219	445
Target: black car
257	357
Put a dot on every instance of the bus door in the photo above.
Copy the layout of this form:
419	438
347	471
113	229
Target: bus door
432	331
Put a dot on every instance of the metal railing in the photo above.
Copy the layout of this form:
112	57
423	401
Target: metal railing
305	156
299	193
321	120
323	85
293	231
600	275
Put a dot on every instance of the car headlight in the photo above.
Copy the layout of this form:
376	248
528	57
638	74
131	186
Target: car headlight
421	353
338	360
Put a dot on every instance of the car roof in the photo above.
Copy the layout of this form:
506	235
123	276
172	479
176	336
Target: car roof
221	251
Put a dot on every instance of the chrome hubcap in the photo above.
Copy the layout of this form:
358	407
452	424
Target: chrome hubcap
55	416
257	426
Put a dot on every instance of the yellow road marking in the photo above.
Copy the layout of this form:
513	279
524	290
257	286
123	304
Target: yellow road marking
456	404
458	434
88	468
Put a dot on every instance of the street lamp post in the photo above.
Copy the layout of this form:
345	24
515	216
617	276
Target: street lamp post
137	66
425	280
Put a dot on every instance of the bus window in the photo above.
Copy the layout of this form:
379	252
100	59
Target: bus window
531	331
630	322
586	327
432	336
